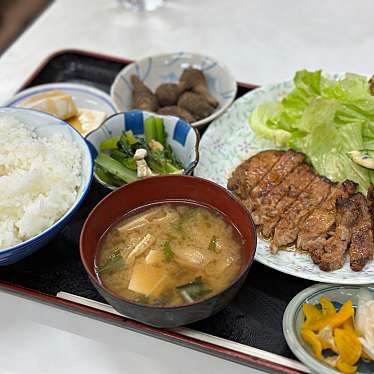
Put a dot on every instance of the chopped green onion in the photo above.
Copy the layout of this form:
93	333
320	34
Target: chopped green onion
168	252
213	244
114	262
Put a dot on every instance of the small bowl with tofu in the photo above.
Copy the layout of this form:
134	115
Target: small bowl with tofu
83	107
134	145
170	250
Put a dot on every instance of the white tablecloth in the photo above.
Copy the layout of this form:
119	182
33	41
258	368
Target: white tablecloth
259	40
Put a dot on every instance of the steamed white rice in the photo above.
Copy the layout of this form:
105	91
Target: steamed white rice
39	181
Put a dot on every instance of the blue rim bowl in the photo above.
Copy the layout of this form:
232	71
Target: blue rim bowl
182	137
45	124
293	319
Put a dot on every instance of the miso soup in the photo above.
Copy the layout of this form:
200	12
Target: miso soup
169	254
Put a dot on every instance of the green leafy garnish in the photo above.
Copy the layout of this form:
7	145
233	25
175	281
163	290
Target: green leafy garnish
168	253
194	290
213	244
113	262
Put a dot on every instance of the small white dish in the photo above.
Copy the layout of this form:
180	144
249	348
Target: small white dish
293	318
167	68
83	96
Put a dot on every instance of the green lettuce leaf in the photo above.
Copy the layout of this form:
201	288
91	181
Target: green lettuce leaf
325	119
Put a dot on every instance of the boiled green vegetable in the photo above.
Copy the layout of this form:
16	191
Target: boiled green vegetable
150	129
109	144
160	130
116	168
115	164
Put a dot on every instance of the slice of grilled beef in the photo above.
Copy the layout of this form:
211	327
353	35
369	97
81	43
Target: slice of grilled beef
296	187
287	229
333	256
247	175
370	199
361	247
285	165
314	231
288	185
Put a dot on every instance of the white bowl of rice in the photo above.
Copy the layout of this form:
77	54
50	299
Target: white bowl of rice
45	173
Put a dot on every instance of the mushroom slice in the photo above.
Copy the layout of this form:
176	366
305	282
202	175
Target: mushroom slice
141	247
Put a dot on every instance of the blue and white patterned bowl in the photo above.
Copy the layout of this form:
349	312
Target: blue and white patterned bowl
46	125
181	136
167	68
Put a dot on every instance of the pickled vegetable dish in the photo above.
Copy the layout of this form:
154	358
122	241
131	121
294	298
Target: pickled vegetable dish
169	254
332	332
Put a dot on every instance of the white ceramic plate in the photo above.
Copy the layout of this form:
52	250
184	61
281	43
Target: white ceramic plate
293	318
228	141
167	68
83	96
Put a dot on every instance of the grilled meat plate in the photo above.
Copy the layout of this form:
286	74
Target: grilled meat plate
291	205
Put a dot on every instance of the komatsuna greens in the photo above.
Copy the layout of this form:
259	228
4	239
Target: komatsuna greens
115	164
